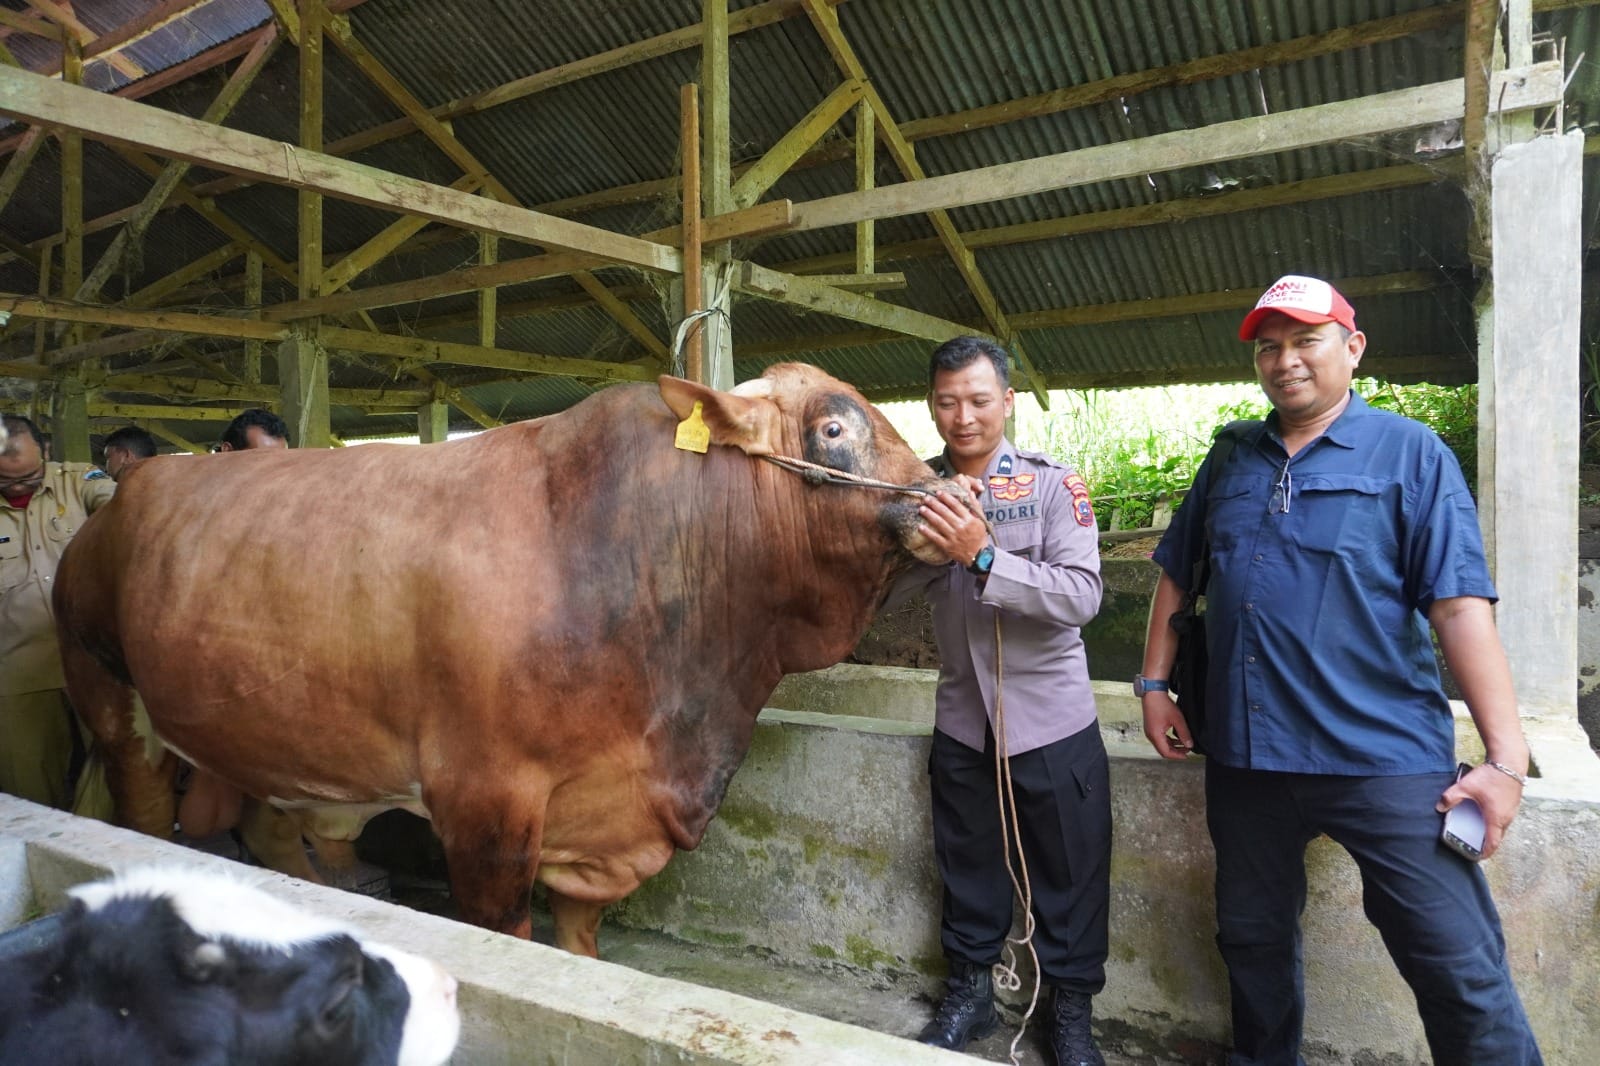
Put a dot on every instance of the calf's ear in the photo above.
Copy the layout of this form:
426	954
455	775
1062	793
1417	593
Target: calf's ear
748	422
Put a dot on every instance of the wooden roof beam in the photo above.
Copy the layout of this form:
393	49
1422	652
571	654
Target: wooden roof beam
34	99
1285	131
340	32
172	174
760	177
774	285
76	30
21	306
826	22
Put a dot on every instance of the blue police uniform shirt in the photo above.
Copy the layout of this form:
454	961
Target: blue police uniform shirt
1322	658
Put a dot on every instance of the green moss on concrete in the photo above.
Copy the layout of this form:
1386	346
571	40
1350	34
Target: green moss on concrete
862	952
816	848
711	936
748	819
823	951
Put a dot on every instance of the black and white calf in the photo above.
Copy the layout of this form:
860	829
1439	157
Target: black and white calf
178	966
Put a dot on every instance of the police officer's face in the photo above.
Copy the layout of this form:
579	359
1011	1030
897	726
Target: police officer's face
970	409
21	468
1305	370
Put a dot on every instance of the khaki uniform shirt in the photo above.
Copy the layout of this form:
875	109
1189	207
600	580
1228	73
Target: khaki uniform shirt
31	543
1044	585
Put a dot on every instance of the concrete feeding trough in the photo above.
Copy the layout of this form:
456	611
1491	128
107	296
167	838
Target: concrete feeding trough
815	887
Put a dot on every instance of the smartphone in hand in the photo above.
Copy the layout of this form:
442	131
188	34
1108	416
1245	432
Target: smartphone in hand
1464	827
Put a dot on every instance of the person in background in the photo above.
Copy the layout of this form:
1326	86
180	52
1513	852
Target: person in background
1036	580
42	504
125	446
1338	534
254	428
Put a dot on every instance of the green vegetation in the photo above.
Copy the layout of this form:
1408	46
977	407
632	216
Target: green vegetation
1139	449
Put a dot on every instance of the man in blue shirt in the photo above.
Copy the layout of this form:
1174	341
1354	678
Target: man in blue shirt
1338	534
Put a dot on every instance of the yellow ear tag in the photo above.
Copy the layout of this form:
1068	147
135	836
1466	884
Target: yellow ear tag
693	436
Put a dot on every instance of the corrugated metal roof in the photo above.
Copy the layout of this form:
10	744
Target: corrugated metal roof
928	58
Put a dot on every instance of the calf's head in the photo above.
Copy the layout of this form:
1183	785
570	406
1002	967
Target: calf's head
180	966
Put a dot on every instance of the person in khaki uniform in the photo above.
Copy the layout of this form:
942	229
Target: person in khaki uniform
42	504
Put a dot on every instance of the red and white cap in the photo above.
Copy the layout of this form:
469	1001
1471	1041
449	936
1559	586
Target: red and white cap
1309	300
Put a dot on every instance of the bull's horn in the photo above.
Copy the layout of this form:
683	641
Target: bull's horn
755	389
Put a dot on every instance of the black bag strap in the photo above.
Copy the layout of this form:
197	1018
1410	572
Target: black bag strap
1221	451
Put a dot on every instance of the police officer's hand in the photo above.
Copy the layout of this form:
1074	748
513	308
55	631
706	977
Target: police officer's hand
1163	722
1499	796
954	526
971	484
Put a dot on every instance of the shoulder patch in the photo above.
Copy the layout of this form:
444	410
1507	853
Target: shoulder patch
95	475
1005	465
1082	508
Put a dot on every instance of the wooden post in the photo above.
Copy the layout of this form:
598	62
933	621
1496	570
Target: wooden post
693	289
71	191
303	385
310	209
488	297
433	418
866	157
70	435
252	299
303	360
716	193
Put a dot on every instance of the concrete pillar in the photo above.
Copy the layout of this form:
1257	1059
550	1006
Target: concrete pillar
69	432
303	384
1528	318
433	422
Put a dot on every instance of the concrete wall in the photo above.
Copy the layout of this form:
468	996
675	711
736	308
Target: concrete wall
822	854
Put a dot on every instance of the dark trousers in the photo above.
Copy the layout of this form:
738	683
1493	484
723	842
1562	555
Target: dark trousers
1431	906
1063	801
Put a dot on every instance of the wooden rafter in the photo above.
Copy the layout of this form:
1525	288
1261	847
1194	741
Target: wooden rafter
757	179
83	35
172	174
1343	120
826	21
341	33
34	99
804	292
382	344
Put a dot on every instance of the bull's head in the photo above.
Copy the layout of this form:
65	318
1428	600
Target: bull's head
798	411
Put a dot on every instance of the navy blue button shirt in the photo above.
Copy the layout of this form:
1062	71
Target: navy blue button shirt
1324	567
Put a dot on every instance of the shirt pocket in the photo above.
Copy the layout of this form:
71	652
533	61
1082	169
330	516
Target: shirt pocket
1234	508
1023	539
13	567
1343	514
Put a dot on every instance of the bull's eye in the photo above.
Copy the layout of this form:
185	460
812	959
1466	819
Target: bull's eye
833	430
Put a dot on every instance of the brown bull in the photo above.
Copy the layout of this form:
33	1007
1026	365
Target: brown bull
551	639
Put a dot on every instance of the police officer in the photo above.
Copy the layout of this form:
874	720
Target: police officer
42	504
1038	577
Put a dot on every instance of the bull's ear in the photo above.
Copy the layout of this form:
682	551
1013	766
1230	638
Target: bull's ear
749	423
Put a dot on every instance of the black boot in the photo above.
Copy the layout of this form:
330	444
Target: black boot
1069	1030
967	1011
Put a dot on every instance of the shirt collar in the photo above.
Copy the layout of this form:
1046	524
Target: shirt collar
1344	430
1004	462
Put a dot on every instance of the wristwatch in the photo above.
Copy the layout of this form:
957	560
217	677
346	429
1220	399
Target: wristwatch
983	561
1142	684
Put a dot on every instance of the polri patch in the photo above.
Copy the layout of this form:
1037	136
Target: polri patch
1005	465
1082	509
1016	488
